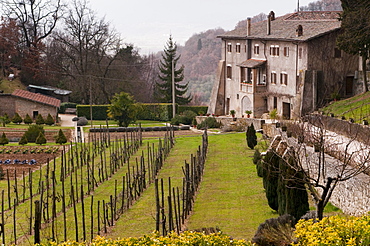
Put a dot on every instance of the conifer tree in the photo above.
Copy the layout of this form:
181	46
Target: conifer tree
17	119
4	140
251	136
40	120
23	140
163	89
61	138
27	120
49	120
41	139
270	179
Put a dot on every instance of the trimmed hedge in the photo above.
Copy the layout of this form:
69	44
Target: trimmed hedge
195	109
156	111
65	105
99	112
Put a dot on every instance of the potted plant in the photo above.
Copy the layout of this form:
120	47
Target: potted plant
273	115
248	112
232	112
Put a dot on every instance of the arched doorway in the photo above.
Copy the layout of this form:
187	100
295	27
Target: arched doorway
246	104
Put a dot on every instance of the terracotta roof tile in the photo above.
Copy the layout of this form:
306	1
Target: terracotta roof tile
314	24
36	97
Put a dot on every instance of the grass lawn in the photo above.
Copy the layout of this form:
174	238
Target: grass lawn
231	195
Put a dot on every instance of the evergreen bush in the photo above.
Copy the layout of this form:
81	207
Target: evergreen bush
209	122
28	120
185	118
60	138
33	132
40	120
4	140
23	140
251	136
41	139
49	120
17	119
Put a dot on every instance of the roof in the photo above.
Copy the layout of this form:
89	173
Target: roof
50	88
314	24
252	63
36	97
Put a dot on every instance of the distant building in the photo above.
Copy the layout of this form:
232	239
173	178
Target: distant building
62	95
25	102
290	63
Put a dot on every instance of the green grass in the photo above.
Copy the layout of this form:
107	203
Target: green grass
231	196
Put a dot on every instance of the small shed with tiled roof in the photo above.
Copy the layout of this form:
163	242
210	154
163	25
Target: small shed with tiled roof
25	102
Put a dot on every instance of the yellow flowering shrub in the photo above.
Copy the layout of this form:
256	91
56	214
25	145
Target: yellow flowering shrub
173	239
334	230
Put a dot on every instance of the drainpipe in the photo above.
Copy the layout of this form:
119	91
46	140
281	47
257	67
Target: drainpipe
225	74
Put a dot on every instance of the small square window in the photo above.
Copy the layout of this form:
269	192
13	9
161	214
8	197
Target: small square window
256	49
286	51
237	48
284	78
228	72
229	47
274	50
273	78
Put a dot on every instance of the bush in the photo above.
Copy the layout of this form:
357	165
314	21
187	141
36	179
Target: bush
41	139
275	231
99	112
82	121
17	119
28	120
40	120
155	111
251	136
256	156
60	138
65	105
23	140
185	118
4	140
6	118
209	122
33	132
196	109
49	120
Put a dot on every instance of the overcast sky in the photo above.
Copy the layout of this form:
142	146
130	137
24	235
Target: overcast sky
148	23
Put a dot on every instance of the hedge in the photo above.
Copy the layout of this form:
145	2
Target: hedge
196	109
156	111
65	105
99	112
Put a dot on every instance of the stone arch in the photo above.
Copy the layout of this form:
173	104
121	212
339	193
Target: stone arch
246	104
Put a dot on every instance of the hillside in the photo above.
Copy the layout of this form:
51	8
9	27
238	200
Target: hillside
9	86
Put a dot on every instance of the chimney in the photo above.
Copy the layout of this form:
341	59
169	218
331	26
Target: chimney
248	26
299	31
272	14
268	24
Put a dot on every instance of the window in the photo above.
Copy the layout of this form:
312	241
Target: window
237	48
300	53
273	78
229	47
228	72
337	53
274	50
242	74
284	78
286	51
256	49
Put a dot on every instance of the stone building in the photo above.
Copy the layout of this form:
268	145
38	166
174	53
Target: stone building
25	102
290	63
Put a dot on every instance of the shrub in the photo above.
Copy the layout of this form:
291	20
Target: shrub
49	120
209	122
256	156
60	138
185	118
23	140
33	132
333	230
17	119
275	231
4	140
99	112
40	120
41	139
82	121
28	120
6	118
65	105
251	136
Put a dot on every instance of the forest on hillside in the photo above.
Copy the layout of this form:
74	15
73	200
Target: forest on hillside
72	48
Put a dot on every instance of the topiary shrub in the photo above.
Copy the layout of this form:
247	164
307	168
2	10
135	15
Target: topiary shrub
82	121
23	140
275	231
40	139
60	138
4	140
6	118
33	132
209	122
40	120
251	136
28	120
49	120
17	119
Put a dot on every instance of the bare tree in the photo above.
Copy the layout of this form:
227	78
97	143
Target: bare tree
324	158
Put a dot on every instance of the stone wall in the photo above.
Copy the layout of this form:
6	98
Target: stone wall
24	107
229	121
7	103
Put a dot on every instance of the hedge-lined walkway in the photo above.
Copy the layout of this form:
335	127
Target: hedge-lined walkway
231	196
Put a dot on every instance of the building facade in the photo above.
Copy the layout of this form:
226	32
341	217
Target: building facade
290	63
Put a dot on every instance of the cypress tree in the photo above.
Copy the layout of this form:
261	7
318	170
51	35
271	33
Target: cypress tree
163	89
4	140
39	120
23	140
49	120
251	136
270	179
33	132
17	119
61	138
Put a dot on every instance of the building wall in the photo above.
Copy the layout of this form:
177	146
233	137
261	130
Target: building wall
24	107
7	105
